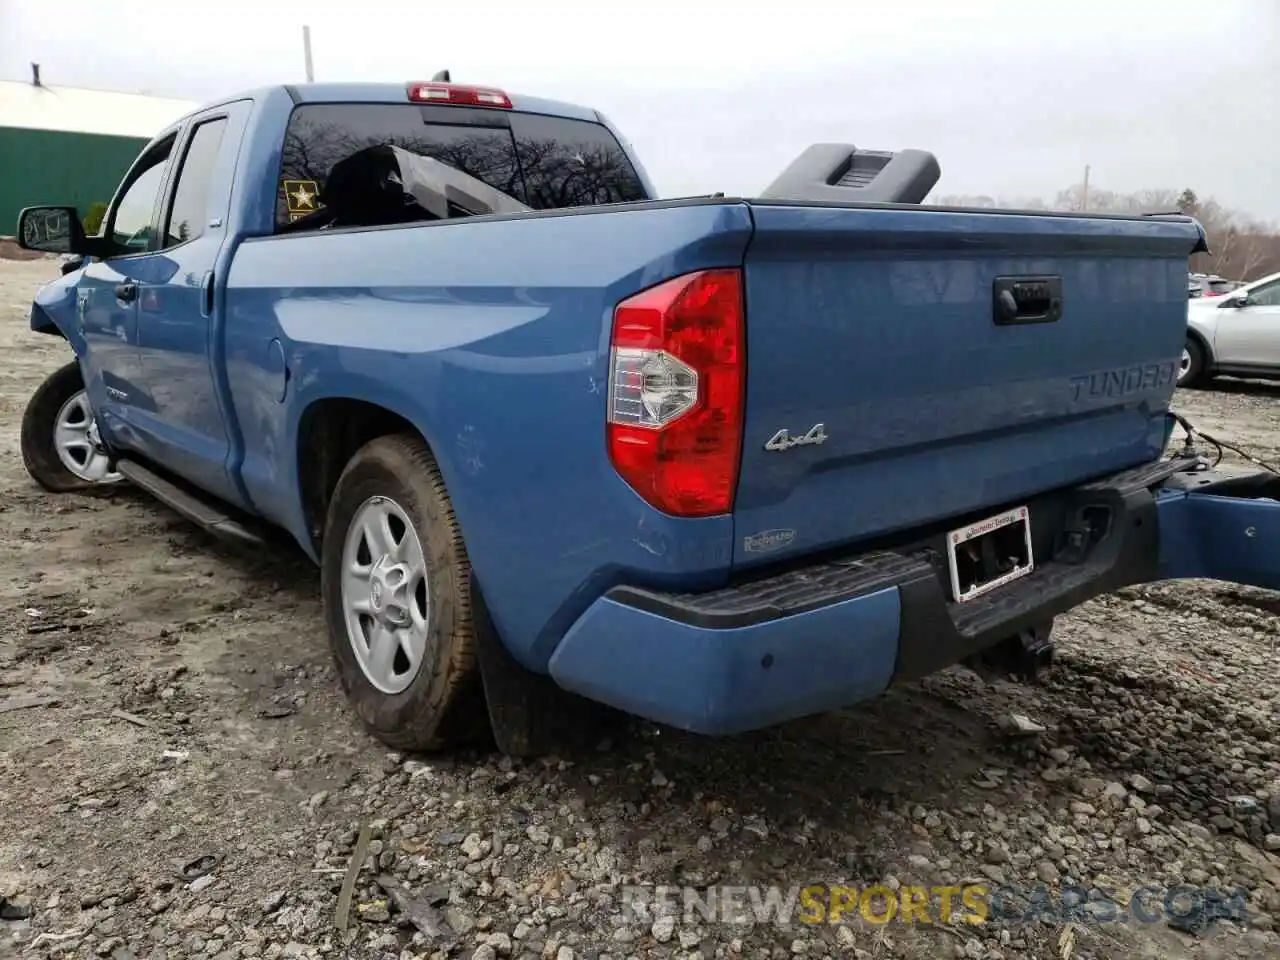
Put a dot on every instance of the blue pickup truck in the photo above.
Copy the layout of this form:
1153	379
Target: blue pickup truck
556	443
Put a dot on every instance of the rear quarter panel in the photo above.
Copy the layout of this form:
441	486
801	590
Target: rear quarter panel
491	337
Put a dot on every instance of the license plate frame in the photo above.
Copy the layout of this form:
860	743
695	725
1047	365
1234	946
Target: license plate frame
964	584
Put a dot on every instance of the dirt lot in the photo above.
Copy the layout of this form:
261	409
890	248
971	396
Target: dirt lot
1159	765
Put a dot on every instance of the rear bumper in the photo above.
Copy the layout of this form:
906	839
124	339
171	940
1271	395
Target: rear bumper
812	639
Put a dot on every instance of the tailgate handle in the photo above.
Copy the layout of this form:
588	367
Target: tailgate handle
1027	300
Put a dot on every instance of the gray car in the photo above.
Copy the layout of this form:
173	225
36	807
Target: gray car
1236	334
1199	285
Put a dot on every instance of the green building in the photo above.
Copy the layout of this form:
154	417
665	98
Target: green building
67	145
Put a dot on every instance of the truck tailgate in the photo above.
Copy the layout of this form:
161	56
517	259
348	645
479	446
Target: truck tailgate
956	362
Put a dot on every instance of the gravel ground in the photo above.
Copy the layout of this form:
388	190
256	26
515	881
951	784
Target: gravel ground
192	713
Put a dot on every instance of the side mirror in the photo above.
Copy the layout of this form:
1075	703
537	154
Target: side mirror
1237	300
51	230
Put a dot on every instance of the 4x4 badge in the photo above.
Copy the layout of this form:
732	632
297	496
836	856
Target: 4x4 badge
782	440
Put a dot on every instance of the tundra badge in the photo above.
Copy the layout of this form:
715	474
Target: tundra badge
782	440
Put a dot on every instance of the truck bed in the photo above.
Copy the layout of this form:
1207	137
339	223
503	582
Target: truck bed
873	320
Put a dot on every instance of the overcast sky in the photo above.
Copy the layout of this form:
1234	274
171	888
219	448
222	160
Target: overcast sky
1013	96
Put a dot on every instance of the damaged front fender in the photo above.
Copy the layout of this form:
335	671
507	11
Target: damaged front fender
54	310
41	322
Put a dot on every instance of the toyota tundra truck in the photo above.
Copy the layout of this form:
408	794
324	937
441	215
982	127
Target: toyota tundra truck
715	462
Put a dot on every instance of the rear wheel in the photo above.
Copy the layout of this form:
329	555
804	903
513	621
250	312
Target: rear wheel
396	586
61	447
1191	369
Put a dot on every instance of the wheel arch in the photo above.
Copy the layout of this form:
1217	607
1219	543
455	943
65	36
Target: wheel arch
330	431
1205	346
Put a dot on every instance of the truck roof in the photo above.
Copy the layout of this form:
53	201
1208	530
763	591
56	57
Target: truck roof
398	93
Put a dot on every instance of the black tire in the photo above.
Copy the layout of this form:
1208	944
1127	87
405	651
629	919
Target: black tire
1192	372
443	705
39	454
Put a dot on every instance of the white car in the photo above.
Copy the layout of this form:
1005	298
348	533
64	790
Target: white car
1237	334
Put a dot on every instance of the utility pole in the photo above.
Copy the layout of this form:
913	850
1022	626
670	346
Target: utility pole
306	52
1084	195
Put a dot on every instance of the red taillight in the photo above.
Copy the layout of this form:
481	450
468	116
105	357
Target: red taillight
676	372
461	96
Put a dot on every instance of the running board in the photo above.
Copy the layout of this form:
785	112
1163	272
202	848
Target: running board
207	515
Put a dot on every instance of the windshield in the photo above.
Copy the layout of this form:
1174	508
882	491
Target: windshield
543	162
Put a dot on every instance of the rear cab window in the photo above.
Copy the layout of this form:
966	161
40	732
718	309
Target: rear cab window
545	162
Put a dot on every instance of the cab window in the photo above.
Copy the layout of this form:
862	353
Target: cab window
133	220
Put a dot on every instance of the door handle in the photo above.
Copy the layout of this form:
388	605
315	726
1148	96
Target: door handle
206	295
127	292
1018	300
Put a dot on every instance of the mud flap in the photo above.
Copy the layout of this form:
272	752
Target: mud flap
528	713
1220	527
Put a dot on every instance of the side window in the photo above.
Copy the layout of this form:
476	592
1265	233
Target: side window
132	221
1268	296
189	210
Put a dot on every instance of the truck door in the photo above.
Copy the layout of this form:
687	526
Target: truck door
183	427
1249	334
106	294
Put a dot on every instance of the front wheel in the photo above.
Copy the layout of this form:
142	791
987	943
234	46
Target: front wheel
1191	369
396	585
61	448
